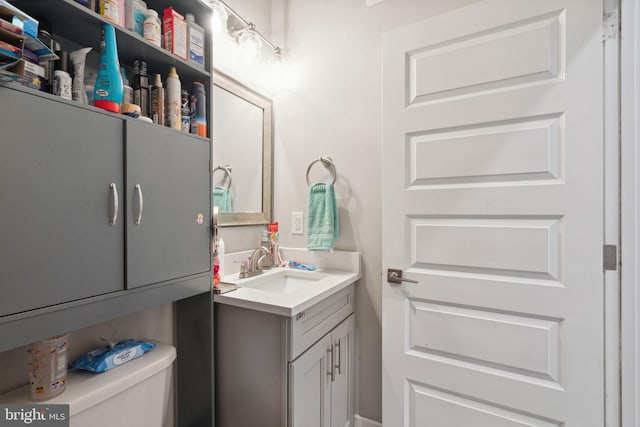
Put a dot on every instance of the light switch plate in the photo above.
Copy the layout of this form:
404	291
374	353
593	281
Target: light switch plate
297	222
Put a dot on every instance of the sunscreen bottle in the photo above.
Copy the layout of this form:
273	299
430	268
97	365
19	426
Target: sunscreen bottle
108	90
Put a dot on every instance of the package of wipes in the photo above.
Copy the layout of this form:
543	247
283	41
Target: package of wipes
111	356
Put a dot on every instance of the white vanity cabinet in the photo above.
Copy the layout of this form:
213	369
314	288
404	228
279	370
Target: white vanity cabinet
321	381
273	370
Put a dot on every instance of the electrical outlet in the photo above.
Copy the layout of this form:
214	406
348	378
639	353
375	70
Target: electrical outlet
297	222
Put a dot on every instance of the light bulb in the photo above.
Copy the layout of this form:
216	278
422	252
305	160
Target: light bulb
250	44
277	62
219	18
278	74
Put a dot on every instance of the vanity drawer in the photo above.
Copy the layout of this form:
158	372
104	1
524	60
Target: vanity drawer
313	323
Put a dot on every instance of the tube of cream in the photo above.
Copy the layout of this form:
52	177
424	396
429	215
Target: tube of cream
77	58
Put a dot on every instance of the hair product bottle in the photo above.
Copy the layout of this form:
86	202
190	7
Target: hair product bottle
198	109
141	87
107	93
185	111
173	108
157	101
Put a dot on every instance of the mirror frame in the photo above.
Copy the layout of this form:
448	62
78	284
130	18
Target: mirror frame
228	219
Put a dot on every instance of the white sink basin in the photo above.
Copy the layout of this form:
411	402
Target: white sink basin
286	291
283	282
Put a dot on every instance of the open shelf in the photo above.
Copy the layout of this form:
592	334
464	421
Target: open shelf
73	21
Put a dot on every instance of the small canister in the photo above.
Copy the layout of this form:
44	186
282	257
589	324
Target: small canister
198	109
185	111
48	367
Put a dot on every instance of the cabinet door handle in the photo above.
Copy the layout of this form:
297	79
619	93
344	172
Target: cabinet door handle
338	365
138	219
114	193
332	371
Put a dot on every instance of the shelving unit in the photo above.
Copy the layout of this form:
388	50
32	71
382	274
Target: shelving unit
64	266
74	22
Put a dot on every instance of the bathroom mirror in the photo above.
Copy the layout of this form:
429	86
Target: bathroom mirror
242	153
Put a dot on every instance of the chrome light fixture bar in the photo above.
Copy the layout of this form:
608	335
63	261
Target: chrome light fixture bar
238	27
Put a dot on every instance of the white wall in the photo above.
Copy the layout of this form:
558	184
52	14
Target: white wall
332	107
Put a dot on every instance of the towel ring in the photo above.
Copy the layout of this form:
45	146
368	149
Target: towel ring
327	162
227	171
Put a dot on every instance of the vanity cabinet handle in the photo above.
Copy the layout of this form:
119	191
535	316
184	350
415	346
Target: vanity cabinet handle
138	219
114	193
338	365
332	371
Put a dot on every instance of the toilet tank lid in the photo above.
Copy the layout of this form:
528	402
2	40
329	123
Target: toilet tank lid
86	389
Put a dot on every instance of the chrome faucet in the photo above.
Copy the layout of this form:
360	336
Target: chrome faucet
255	264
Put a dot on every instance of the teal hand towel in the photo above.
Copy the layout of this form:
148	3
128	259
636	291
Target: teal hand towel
322	219
222	199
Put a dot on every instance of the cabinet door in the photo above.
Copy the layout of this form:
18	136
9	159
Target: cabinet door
310	386
168	191
342	387
58	162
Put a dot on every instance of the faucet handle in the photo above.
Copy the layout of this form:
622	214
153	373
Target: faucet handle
244	269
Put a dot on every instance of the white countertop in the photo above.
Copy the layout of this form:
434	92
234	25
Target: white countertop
335	271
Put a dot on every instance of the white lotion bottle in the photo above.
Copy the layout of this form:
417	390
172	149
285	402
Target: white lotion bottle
172	97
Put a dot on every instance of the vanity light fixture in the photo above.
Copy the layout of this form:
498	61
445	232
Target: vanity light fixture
250	43
227	21
219	17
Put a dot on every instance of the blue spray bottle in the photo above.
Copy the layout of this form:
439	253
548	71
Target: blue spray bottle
108	90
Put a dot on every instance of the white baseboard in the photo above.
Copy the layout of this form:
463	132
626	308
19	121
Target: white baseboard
365	422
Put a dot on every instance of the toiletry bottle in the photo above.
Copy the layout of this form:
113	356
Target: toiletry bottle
110	9
185	111
265	243
108	90
221	256
127	90
196	41
157	101
135	15
173	107
141	87
274	246
77	59
198	108
151	28
61	77
215	263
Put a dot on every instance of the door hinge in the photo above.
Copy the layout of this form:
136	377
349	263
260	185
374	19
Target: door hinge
610	257
610	26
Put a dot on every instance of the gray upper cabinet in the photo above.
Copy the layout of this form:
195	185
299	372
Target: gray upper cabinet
168	174
56	203
80	243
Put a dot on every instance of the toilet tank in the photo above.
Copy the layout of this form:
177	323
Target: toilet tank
133	394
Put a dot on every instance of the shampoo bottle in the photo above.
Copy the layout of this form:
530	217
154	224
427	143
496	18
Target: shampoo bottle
173	107
108	90
157	101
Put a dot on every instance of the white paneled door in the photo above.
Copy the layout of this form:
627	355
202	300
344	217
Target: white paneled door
493	203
